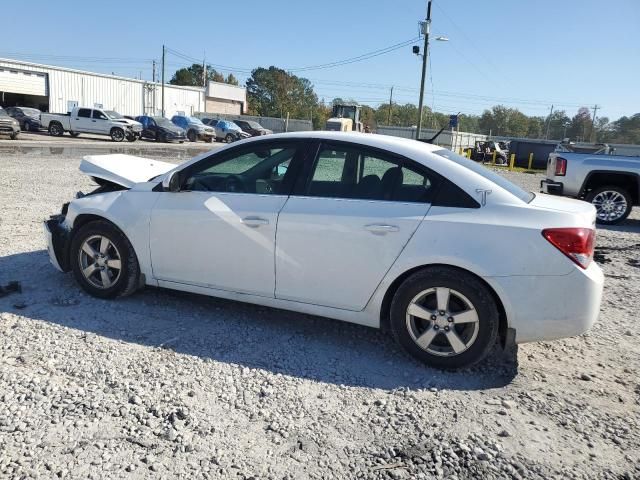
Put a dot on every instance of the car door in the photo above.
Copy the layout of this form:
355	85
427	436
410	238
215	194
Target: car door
81	120
100	122
350	217
219	230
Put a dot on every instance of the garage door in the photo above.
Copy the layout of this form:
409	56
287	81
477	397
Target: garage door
19	81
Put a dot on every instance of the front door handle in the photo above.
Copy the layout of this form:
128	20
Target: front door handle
381	229
254	222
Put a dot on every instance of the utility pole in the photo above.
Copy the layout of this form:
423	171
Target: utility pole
593	122
425	53
390	106
153	71
163	55
546	133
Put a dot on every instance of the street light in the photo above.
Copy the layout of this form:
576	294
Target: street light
425	28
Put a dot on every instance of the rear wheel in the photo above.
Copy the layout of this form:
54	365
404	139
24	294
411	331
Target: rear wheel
613	204
103	261
445	318
56	130
117	134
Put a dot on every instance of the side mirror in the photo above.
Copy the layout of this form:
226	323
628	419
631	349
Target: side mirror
171	182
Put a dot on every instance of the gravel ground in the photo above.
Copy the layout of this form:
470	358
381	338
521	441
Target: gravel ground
171	385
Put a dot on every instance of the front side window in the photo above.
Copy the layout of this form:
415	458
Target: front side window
359	174
258	169
97	114
84	113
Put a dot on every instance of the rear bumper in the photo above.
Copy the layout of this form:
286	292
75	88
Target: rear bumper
551	187
57	238
551	307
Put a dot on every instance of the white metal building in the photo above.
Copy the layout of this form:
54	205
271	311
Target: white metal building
58	89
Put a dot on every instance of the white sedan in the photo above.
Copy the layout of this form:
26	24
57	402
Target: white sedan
374	230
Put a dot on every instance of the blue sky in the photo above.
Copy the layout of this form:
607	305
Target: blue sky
525	54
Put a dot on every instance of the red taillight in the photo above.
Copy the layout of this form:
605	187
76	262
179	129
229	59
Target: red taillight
575	243
561	166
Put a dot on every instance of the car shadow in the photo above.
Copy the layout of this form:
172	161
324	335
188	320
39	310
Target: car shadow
252	336
630	225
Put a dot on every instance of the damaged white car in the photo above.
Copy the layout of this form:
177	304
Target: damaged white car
375	230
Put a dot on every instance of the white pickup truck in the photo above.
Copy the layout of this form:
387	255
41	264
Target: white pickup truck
92	120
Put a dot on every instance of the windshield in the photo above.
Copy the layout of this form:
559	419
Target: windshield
3	113
195	120
488	174
113	115
163	122
31	112
255	125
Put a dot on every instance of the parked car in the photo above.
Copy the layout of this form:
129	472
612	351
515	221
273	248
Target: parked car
8	125
252	128
28	118
610	182
161	129
483	151
196	130
371	229
91	120
227	131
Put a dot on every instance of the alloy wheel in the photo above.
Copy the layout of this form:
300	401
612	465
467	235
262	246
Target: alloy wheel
610	205
100	261
442	321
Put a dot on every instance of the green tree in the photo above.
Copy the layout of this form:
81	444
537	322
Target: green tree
231	80
580	126
193	76
273	92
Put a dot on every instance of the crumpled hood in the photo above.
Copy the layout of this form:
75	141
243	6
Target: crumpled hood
127	121
125	170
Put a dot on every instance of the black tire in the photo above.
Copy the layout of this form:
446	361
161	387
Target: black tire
26	127
128	278
55	129
117	134
406	327
208	139
160	137
13	136
610	217
131	138
192	136
229	138
74	134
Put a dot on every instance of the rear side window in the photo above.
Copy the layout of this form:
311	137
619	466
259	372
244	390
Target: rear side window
351	172
488	174
84	113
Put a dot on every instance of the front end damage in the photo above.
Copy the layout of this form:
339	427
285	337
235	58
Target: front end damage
58	238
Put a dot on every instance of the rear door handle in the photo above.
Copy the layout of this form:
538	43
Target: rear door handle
254	222
381	229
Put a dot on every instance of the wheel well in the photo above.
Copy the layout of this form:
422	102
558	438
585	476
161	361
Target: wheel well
385	310
628	181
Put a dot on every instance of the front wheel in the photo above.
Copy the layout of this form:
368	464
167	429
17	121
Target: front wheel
192	136
229	138
74	134
103	261
131	138
444	317
117	134
26	127
613	204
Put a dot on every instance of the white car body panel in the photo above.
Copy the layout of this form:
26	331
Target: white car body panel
303	242
216	240
334	252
